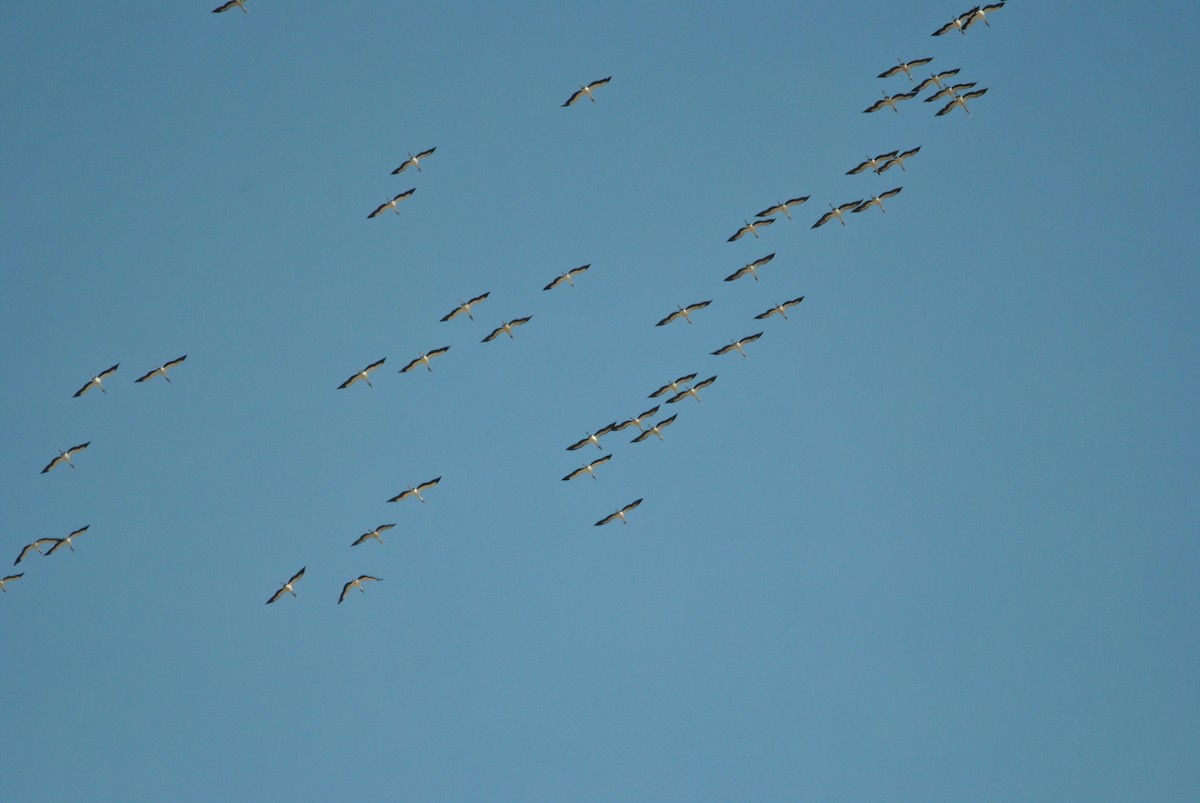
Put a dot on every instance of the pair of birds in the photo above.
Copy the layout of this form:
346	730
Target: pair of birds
55	544
856	206
97	381
413	160
289	586
884	162
969	18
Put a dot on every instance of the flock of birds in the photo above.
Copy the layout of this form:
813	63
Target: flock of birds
680	389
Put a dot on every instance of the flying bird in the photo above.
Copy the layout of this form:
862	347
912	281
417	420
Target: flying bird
655	430
890	100
424	360
899	160
684	312
782	207
161	370
391	204
416	490
226	6
836	212
506	327
9	579
356	583
413	161
692	391
96	381
465	307
877	200
593	437
672	386
620	514
751	228
568	277
935	79
961	100
373	534
637	420
363	375
59	543
737	345
949	91
780	308
904	67
874	164
750	268
587	90
958	23
66	456
589	468
287	587
36	546
977	13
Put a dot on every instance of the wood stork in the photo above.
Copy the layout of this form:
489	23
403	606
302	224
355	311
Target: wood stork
413	161
36	546
750	268
465	307
737	345
8	580
904	67
949	91
782	207
161	370
672	386
620	514
874	164
976	14
958	23
59	543
935	79
586	89
752	228
416	490
655	430
97	381
780	308
226	6
568	277
684	312
589	468
890	100
877	200
66	456
287	588
506	327
424	360
836	212
692	391
899	160
961	100
357	582
362	539
637	420
363	375
593	437
391	204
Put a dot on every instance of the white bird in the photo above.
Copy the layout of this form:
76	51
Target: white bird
620	514
363	375
836	212
96	381
391	204
673	386
373	534
637	420
877	200
684	312
655	430
568	277
416	490
593	437
36	546
874	164
413	161
751	228
890	100
692	391
958	23
737	345
9	579
750	268
899	160
589	468
935	79
59	543
424	360
782	207
780	308
949	91
356	583
66	456
287	587
506	327
977	13
161	370
226	6
961	100
587	90
465	307
904	67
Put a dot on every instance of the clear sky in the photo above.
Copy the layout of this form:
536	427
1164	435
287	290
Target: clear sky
934	539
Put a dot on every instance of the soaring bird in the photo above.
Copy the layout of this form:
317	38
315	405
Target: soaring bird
287	587
836	212
59	543
36	546
637	420
226	6
961	100
356	583
782	207
161	370
655	430
506	327
750	268
874	164
958	23
593	437
620	514
904	67
949	91
9	579
976	14
363	375
673	386
373	534
692	391
587	90
465	307
752	228
877	200
568	277
935	79
684	312
416	490
589	468
66	456
780	308
890	100
899	160
737	345
391	204
97	381
413	161
424	360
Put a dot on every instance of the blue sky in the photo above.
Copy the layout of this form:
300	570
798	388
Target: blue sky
934	539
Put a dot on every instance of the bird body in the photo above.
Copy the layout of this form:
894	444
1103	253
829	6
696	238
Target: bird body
161	370
97	381
66	456
287	588
364	375
586	90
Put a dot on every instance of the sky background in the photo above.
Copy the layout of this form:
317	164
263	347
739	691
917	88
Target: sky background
935	539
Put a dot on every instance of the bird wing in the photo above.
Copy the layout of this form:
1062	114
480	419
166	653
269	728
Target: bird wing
793	302
600	460
146	376
771	210
24	553
765	222
296	576
890	71
374	365
362	577
919	62
946	109
411	365
574	97
958	87
767	314
58	542
948	73
520	321
224	7
53	463
737	234
631	506
107	372
80	531
437	351
384	527
750	338
861	166
739	273
429	484
887	155
579	444
821	221
890	193
659	392
423	154
174	362
876	106
79	447
12	577
851	205
609	517
576	271
363	537
993	7
905	95
350	381
402	167
921	87
941	93
492	335
796	201
698	305
404	195
276	595
945	27
758	263
666	422
376	213
401	495
600	82
641	436
677	397
575	473
975	94
345	590
83	389
669	318
479	298
453	312
705	383
907	154
556	282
